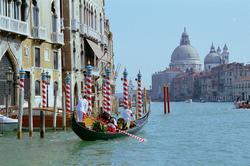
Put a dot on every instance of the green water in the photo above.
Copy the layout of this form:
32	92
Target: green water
193	134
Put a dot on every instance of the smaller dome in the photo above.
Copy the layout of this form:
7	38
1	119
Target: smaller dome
213	57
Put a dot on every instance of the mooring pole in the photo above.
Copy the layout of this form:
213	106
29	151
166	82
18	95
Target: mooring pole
165	98
145	101
42	124
21	98
55	111
30	115
168	97
64	112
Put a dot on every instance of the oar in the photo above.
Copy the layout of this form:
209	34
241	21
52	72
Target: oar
131	135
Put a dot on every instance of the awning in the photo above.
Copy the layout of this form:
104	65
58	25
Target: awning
97	50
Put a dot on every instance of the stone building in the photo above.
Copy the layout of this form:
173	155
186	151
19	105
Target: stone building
215	58
31	38
185	56
241	88
160	79
87	39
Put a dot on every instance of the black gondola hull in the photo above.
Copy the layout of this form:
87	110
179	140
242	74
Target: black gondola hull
91	135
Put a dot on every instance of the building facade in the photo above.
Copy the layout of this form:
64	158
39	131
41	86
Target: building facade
88	40
31	38
185	56
160	79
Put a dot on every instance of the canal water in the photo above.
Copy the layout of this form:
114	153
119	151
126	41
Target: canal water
193	134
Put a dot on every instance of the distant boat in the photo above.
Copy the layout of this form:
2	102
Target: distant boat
189	101
202	101
241	104
7	124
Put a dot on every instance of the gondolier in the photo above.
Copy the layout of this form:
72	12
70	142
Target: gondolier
82	108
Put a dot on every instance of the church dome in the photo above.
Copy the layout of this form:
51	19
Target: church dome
213	57
185	55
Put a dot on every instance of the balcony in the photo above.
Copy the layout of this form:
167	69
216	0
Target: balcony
89	32
14	26
74	25
57	38
39	33
83	29
104	39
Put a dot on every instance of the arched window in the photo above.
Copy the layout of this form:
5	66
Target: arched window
55	88
73	9
54	17
92	18
85	14
37	88
74	55
82	56
95	18
5	7
80	12
35	10
24	10
100	23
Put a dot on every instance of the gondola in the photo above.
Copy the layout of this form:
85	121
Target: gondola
91	135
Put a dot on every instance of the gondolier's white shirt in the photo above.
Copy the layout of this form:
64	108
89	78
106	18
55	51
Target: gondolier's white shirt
82	105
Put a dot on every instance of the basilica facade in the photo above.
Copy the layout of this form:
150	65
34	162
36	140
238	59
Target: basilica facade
186	63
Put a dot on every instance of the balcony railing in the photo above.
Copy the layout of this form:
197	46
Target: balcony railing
57	37
90	32
74	25
13	25
39	33
104	39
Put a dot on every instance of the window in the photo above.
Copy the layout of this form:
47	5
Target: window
55	60
85	15
80	11
74	55
82	58
46	55
37	88
101	23
54	17
5	7
72	9
35	14
24	8
37	57
55	88
95	21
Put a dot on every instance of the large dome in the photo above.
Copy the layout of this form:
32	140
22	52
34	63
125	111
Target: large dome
213	57
185	55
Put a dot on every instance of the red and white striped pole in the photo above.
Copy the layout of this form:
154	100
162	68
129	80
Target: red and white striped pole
44	90
68	97
139	95
104	102
108	91
125	89
89	86
21	99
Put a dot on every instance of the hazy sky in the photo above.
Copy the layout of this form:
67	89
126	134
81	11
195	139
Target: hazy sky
147	31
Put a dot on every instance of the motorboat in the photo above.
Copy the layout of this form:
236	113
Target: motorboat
7	124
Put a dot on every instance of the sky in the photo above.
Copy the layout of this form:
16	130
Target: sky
146	32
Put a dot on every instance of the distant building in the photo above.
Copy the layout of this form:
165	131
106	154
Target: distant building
185	56
215	58
188	81
160	79
241	88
